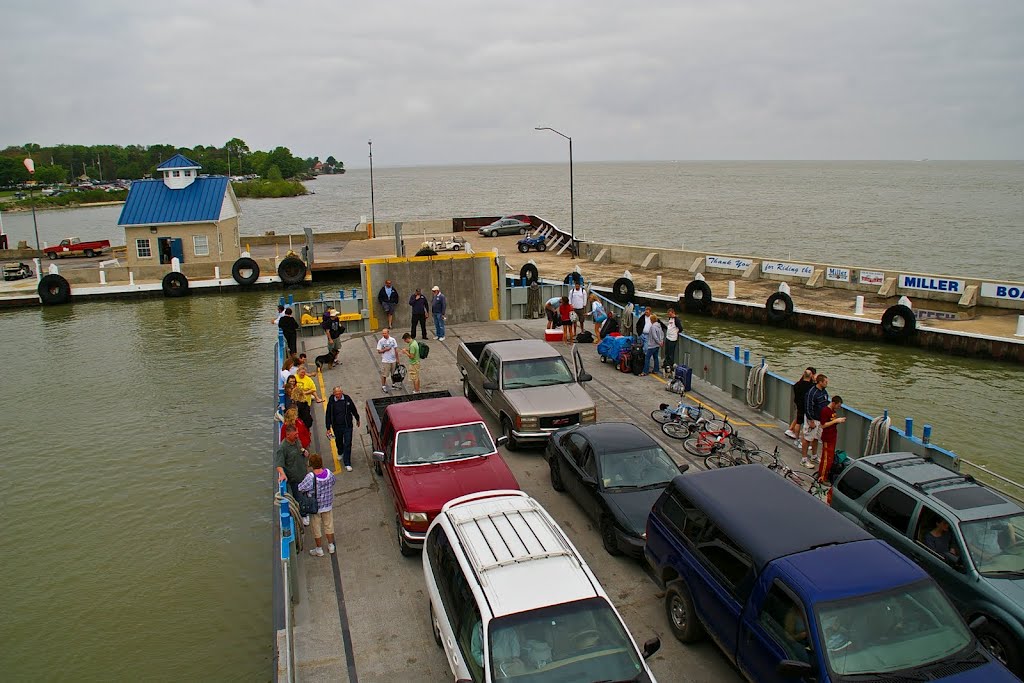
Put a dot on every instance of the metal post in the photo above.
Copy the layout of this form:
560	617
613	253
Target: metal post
572	207
910	427
373	211
32	203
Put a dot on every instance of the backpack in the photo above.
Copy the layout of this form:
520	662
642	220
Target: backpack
585	337
424	350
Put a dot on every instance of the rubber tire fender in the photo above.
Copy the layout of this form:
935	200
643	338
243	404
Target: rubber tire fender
245	263
692	303
774	314
623	290
529	273
890	330
291	270
174	285
53	290
573	278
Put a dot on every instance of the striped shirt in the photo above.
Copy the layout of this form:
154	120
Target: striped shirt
324	488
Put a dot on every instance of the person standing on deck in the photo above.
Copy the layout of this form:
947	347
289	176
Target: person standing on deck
551	308
578	301
290	327
598	315
280	314
388	298
332	330
291	419
829	437
817	398
412	351
655	340
386	346
322	481
643	326
565	314
800	389
439	309
339	415
307	393
419	313
290	461
673	328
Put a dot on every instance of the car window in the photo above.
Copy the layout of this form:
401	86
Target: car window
893	507
681	513
785	620
588	463
856	482
935	533
733	566
491	369
996	545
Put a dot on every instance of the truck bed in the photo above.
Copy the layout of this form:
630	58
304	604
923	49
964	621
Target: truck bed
375	406
475	348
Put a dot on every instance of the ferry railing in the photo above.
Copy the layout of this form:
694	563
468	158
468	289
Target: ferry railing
349	302
1002	484
284	533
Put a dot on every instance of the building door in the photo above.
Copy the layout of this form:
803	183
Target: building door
171	247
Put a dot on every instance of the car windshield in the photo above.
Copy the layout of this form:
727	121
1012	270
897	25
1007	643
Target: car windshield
424	446
996	545
576	641
637	469
910	627
536	372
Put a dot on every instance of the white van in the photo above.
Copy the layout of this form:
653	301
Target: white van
511	598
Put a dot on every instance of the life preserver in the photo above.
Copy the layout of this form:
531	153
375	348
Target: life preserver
53	290
623	290
245	263
529	273
175	285
774	314
908	322
573	278
696	304
291	270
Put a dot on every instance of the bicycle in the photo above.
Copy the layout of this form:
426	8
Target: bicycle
707	440
684	429
807	482
739	451
684	412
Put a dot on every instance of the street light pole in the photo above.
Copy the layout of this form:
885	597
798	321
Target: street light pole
373	212
572	208
31	166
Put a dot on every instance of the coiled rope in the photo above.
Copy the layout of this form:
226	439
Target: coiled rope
878	436
293	508
755	385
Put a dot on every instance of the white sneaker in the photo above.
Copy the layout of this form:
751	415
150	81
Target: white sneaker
330	548
440	339
384	389
806	463
790	434
348	468
305	521
316	552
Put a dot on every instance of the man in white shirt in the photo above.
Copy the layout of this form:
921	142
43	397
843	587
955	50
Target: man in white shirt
386	346
672	330
578	300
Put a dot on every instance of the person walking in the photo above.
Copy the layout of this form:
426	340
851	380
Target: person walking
829	437
655	340
290	461
304	394
341	410
290	327
333	330
597	314
817	398
578	300
412	352
800	389
388	298
673	328
321	482
419	313
439	309
386	346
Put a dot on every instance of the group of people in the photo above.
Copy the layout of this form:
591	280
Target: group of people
568	313
438	307
330	323
816	421
656	334
387	347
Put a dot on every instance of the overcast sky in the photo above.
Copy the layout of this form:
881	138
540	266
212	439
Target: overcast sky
460	81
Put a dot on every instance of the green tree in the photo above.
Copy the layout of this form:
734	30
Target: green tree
51	174
12	171
331	161
273	173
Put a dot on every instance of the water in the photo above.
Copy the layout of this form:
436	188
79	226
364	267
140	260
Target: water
136	458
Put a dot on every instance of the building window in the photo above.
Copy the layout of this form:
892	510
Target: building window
188	174
201	245
143	249
175	174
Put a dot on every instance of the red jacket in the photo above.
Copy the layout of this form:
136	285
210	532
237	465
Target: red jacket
304	437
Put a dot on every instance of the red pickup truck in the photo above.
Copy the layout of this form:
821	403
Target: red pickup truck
74	246
431	448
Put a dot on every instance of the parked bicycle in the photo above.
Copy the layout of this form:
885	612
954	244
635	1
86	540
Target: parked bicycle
711	436
684	429
739	451
682	412
808	482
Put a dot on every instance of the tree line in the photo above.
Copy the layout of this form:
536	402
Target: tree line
63	163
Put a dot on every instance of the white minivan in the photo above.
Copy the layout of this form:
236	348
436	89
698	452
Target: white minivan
511	598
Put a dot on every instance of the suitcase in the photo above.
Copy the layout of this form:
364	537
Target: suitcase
636	359
624	364
684	373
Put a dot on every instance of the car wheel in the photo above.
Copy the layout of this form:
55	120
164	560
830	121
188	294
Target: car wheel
89	253
377	469
506	430
681	617
494	233
524	248
403	547
556	476
1001	645
51	255
456	247
522	231
608	540
468	392
433	626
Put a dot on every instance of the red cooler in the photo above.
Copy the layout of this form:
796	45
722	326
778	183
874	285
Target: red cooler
553	335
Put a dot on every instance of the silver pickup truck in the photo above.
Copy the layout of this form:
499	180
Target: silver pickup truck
527	385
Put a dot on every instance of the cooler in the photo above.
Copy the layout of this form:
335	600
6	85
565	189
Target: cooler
553	335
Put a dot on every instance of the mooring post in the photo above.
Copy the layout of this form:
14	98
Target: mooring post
910	427
131	279
291	299
746	356
1020	326
103	275
736	353
858	308
926	436
732	290
341	294
216	272
657	284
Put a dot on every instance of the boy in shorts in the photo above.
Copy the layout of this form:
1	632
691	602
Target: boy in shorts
412	351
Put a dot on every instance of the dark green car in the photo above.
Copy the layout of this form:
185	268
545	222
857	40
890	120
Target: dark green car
969	537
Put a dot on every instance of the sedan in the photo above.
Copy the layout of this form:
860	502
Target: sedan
505	226
615	471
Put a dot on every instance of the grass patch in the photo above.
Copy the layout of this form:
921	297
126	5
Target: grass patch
262	188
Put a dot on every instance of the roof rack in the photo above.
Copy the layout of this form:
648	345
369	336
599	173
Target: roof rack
940	481
909	459
498	539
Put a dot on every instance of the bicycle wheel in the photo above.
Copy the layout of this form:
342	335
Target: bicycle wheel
801	479
819	490
675	429
717	461
761	458
738	443
694	413
662	416
696	446
717	426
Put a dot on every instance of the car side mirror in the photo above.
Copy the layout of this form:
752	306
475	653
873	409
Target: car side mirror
501	440
490	386
584	377
791	668
378	456
589	480
652	646
683	468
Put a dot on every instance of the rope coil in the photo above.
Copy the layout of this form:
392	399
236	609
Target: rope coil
293	509
878	436
755	385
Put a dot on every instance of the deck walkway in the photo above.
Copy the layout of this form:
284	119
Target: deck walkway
383	594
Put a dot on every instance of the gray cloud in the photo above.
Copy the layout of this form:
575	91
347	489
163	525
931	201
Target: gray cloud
455	81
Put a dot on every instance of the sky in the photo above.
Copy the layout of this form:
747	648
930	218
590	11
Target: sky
461	82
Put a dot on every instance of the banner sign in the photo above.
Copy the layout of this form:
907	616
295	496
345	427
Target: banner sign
997	291
730	263
931	284
794	269
872	277
837	274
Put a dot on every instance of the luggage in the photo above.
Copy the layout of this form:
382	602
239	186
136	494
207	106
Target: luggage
611	348
636	359
585	337
624	364
684	374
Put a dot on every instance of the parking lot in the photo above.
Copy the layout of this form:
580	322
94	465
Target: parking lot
381	595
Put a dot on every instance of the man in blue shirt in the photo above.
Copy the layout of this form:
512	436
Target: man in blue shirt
439	308
816	399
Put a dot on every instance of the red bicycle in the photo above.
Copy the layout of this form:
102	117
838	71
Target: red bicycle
707	440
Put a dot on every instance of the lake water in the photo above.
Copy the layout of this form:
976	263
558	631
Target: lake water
136	455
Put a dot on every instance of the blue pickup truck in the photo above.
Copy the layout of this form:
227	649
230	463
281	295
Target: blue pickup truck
792	590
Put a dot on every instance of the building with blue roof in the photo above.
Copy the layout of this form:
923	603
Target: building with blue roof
183	215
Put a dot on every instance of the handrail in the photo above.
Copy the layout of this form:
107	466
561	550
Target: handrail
1019	496
285	533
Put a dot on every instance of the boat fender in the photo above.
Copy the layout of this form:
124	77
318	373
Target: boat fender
529	273
623	290
54	290
777	315
245	263
573	279
291	270
695	304
175	285
907	322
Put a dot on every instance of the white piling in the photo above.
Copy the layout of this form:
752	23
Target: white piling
858	308
39	273
131	279
52	270
699	276
175	265
784	287
732	290
1020	326
103	275
216	272
628	275
657	284
905	301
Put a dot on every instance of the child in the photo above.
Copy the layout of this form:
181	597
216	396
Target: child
565	314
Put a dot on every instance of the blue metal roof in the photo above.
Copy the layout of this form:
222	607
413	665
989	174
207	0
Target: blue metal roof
150	202
178	161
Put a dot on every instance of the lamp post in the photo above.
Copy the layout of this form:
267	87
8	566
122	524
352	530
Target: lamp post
373	213
572	208
31	166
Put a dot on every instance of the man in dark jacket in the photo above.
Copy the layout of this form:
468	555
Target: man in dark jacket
388	298
290	327
419	305
341	410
